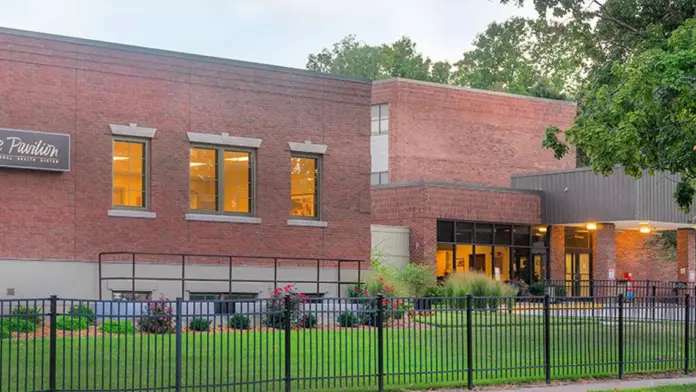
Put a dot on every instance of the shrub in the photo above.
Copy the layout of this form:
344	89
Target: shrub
18	324
157	317
71	323
348	320
356	291
521	287
417	279
84	311
199	324
239	322
117	327
477	285
536	289
4	333
275	307
31	314
307	320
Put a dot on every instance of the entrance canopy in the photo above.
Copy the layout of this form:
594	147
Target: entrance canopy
580	196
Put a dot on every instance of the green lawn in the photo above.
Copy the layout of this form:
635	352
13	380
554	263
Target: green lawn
666	388
433	353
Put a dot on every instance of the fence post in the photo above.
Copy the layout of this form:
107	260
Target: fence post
53	345
177	366
687	299
469	342
547	340
287	316
621	336
380	343
654	300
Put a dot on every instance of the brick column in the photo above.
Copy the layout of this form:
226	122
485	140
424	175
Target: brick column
604	251
557	252
686	253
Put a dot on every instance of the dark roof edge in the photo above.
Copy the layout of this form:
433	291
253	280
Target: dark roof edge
475	90
179	55
457	185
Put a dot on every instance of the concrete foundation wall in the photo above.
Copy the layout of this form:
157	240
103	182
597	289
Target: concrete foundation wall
69	279
391	244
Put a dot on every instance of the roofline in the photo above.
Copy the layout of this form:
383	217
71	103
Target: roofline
559	171
473	187
473	90
178	55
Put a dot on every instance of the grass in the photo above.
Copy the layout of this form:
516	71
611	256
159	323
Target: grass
664	388
506	348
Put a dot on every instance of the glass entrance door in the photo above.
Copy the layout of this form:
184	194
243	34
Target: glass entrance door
578	273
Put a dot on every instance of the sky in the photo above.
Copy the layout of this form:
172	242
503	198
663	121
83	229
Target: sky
279	32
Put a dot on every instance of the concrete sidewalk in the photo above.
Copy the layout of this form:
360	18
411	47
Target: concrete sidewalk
605	385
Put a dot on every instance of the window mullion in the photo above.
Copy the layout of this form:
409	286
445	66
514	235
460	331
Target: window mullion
219	179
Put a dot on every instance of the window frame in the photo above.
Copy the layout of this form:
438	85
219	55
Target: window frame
122	293
379	119
219	175
317	189
146	172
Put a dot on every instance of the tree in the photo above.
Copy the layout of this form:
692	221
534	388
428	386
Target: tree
522	56
637	107
398	59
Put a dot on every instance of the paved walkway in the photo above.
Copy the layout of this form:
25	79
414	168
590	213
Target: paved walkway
585	387
608	385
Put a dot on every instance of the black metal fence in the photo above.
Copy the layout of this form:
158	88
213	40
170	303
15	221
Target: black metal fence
609	288
289	344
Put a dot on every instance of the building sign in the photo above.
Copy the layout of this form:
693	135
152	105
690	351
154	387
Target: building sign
692	275
34	150
612	274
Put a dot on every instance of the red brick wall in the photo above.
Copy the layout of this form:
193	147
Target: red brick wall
604	251
557	253
635	255
686	253
52	86
437	133
419	207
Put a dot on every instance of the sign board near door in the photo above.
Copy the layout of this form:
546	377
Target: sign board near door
612	274
34	150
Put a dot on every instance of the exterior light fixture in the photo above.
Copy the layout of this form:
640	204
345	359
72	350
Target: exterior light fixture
591	226
644	228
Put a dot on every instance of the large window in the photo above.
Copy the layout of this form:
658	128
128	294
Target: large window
304	186
221	180
380	119
130	173
501	251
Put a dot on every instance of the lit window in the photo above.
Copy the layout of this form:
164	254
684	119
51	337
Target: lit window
304	187
220	180
380	119
129	173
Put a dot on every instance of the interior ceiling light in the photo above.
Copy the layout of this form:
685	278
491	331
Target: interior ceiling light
197	164
121	158
542	229
237	159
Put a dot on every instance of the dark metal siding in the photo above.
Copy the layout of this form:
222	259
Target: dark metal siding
580	195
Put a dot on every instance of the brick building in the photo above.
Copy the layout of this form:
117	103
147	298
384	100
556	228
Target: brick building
463	169
176	153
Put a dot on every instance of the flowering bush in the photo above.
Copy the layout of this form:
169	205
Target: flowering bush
357	291
157	317
275	306
390	305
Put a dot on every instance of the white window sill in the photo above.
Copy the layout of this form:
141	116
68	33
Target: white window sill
132	214
307	223
222	218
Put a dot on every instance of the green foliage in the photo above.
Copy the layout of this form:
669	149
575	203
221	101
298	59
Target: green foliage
356	291
637	104
157	317
478	285
521	287
71	323
307	320
199	324
239	321
666	243
399	59
18	324
4	333
536	289
83	311
117	327
417	279
277	317
30	314
348	320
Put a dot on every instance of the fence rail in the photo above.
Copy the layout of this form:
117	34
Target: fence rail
287	344
608	288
